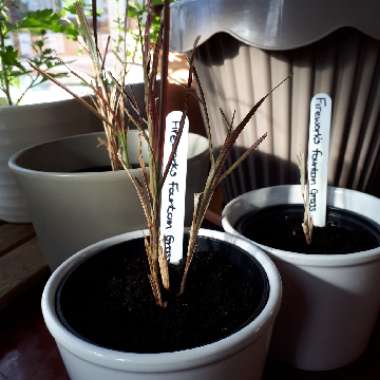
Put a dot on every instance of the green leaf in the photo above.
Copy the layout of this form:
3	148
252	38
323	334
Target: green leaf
9	56
39	21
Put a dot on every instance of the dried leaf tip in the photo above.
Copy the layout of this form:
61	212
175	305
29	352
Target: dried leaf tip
307	224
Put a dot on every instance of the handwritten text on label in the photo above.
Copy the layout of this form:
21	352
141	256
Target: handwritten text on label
319	140
174	189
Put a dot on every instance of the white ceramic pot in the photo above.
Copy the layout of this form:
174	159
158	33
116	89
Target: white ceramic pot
23	126
72	210
331	302
241	353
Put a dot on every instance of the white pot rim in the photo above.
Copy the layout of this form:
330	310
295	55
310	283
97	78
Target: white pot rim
160	362
26	107
118	174
229	217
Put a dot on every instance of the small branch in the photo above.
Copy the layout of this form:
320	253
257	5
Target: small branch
4	73
31	85
95	22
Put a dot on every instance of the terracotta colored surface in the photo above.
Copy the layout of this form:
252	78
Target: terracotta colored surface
27	351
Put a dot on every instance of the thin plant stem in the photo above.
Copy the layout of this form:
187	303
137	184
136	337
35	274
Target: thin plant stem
6	89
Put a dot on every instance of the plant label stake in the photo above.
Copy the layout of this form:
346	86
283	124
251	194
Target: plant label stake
174	189
318	155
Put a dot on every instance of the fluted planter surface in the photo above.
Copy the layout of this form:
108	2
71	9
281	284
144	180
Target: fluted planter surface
250	46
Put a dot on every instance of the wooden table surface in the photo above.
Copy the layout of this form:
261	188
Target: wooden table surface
27	351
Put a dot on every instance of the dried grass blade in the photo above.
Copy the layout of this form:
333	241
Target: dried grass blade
95	22
160	130
88	38
105	53
153	277
243	157
307	224
80	77
73	94
192	240
228	124
145	37
164	268
236	132
206	114
156	55
143	168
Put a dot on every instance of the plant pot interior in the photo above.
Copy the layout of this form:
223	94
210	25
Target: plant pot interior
88	153
101	168
83	153
95	169
281	227
107	299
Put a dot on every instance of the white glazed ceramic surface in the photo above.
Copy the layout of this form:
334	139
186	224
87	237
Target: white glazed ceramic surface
270	25
23	126
72	210
331	302
241	354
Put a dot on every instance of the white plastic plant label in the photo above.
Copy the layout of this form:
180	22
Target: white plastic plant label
174	189
318	156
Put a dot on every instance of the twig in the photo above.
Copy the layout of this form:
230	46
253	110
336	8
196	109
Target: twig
95	22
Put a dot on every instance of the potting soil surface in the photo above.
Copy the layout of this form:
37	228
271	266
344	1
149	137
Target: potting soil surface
281	227
101	168
108	300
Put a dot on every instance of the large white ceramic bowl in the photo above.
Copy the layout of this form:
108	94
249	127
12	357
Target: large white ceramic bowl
27	125
70	209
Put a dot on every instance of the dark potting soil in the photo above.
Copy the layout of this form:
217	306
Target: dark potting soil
101	168
95	169
281	227
108	299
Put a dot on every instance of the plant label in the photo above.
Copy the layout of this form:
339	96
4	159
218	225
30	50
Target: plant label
318	155
174	189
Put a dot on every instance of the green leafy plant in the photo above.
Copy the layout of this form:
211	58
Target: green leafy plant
116	106
12	65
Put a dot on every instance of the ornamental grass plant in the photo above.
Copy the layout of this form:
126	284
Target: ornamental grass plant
115	105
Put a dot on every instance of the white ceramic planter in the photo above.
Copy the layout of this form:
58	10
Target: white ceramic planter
249	46
23	126
242	353
72	210
331	302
